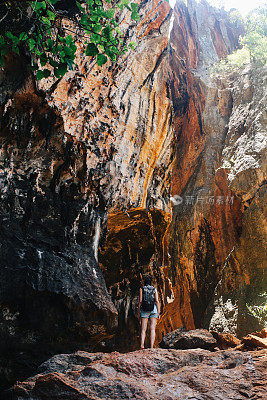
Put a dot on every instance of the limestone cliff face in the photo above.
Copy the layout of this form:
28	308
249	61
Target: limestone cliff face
207	217
88	166
72	151
244	159
216	119
122	113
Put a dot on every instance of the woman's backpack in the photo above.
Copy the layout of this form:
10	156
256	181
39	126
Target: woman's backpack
148	298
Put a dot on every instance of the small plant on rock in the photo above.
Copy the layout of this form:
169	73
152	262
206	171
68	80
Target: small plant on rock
259	311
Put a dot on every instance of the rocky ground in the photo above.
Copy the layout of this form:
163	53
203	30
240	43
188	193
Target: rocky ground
149	374
199	370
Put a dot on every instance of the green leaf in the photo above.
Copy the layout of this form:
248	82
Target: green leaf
59	47
110	13
15	49
101	59
46	73
9	35
54	63
135	16
69	40
31	43
73	48
61	70
132	45
84	20
39	5
23	36
72	57
115	50
91	50
43	4
107	31
117	29
49	42
95	38
96	17
67	50
97	28
134	6
80	7
39	75
111	54
4	51
14	38
37	52
51	15
43	59
46	21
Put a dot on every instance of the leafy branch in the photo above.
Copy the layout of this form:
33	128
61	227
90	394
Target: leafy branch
44	34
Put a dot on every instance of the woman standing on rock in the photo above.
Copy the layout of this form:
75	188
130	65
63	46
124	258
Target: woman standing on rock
148	308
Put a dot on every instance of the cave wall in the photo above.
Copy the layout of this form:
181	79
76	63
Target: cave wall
219	125
150	164
206	217
46	253
243	279
73	150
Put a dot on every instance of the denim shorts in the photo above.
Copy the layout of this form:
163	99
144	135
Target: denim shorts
150	314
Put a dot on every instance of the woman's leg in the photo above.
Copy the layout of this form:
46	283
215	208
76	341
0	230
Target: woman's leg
143	331
153	323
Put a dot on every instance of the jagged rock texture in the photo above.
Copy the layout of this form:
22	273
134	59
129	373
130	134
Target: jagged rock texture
148	375
88	166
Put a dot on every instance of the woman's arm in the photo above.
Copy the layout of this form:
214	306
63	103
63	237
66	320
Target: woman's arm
157	301
140	302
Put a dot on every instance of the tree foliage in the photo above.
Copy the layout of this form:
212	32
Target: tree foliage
253	43
255	39
48	33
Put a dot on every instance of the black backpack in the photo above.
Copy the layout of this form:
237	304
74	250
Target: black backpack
148	298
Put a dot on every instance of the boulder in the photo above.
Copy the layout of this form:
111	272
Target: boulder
254	341
225	340
180	339
149	374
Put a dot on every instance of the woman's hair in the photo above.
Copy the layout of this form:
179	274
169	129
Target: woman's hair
147	279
